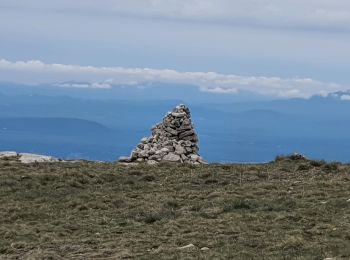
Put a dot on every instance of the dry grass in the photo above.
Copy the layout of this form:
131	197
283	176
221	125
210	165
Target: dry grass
288	209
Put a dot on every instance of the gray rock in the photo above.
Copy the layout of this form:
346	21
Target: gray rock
170	148
143	154
152	162
194	157
168	143
134	155
164	150
171	157
186	133
188	143
144	140
189	246
171	131
124	159
182	129
188	150
191	138
154	157
180	150
181	114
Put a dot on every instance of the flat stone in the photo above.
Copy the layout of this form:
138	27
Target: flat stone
183	128
168	142
165	150
144	140
186	122
194	157
188	143
124	159
169	124
191	138
181	114
187	133
154	157
202	161
189	246
171	157
171	131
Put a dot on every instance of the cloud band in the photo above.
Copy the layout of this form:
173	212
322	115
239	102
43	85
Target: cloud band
37	72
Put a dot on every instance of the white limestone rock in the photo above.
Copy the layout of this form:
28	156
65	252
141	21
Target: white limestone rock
28	157
8	154
31	158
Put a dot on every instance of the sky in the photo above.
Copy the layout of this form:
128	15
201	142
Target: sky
288	48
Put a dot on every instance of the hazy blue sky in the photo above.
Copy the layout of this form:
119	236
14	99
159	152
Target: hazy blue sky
282	43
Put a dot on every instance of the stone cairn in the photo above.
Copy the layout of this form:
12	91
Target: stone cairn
172	140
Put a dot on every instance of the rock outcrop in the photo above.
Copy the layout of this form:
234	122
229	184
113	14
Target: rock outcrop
172	140
8	154
28	157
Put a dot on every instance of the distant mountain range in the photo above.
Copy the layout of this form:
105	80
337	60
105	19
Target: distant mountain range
74	124
48	125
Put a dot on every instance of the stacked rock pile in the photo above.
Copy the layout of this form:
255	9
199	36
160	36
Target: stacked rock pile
172	140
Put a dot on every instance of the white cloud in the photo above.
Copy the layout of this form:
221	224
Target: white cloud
37	72
345	97
321	14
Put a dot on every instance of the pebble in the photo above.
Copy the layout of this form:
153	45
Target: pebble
187	246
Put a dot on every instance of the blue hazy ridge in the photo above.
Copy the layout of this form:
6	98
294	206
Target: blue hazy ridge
239	131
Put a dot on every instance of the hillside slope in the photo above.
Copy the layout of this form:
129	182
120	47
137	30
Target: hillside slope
282	210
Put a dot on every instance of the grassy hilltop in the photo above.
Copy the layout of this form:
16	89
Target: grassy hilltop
288	209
